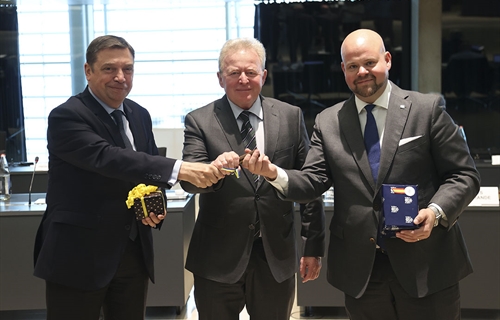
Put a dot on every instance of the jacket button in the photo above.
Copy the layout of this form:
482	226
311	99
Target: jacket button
251	227
372	240
257	197
127	227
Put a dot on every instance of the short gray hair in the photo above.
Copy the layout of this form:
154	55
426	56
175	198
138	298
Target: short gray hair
233	45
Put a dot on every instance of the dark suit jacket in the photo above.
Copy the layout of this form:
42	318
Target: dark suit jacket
86	225
437	160
222	240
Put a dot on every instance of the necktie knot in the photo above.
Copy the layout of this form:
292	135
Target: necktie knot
247	131
118	116
244	116
369	107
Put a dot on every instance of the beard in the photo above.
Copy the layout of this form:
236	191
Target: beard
368	90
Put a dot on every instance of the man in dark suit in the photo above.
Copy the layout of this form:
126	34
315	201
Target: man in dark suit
243	248
414	275
89	248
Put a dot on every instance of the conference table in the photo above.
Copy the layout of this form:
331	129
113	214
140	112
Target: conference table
20	290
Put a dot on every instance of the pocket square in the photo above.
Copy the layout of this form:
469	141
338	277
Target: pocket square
406	140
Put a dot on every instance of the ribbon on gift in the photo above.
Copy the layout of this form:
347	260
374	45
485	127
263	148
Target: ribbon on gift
144	207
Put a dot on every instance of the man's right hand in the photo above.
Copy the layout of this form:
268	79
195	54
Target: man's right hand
201	175
258	163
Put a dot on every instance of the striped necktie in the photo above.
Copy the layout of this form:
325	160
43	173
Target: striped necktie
248	136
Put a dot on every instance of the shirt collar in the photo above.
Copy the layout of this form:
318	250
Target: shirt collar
105	106
382	101
256	109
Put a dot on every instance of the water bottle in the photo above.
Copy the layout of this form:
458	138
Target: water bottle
4	179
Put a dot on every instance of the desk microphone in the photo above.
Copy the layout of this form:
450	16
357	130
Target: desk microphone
31	184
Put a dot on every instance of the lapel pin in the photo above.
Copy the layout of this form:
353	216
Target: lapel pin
401	106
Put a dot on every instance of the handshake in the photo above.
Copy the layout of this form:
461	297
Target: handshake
204	175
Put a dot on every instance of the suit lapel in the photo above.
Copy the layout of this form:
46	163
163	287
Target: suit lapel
397	116
229	127
351	130
271	130
94	105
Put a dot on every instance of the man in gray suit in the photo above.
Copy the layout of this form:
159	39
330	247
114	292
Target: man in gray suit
414	275
243	248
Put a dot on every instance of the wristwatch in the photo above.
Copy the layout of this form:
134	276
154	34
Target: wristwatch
437	212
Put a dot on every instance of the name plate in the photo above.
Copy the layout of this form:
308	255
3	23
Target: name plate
487	197
495	160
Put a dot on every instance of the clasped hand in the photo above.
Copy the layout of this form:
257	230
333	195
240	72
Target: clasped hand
201	175
227	163
258	163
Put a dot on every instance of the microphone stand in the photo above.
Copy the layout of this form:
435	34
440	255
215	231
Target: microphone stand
31	184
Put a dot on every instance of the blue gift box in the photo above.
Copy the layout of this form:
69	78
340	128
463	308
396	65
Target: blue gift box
400	207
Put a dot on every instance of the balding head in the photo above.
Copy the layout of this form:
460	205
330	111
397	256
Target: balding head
365	64
362	38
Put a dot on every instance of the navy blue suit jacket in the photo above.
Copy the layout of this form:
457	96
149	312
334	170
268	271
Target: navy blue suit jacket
85	228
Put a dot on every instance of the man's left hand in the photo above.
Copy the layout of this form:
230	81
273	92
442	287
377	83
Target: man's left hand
153	219
310	268
425	219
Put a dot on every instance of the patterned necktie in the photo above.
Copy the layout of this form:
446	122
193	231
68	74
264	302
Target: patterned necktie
372	141
117	115
248	136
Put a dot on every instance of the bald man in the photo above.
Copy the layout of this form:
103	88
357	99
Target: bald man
414	275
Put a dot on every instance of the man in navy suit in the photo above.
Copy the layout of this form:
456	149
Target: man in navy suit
415	275
243	250
89	248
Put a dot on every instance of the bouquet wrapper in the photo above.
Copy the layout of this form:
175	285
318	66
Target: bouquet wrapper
152	202
400	207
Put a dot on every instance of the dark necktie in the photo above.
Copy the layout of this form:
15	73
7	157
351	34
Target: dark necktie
117	115
372	141
372	145
248	138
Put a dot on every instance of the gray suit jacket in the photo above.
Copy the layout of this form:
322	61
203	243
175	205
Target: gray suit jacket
222	240
437	160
